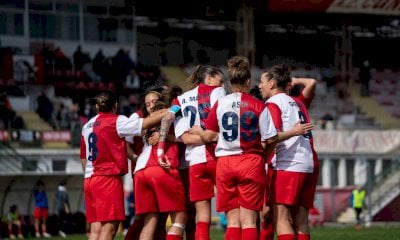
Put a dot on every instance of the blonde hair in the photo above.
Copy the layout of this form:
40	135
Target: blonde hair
238	70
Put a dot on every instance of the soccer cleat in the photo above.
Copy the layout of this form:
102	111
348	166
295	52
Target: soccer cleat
62	234
38	235
20	236
12	236
46	235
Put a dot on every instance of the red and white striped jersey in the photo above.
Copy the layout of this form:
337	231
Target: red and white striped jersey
103	143
195	105
237	118
294	154
306	102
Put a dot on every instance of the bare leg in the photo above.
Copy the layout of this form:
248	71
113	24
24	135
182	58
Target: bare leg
282	222
203	211
179	218
150	224
95	229
108	230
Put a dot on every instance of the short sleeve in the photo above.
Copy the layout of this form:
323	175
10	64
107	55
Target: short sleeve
131	126
211	123
276	113
267	127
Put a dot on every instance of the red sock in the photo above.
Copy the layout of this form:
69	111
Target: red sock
287	237
249	233
202	231
267	231
233	233
135	229
19	231
174	237
301	236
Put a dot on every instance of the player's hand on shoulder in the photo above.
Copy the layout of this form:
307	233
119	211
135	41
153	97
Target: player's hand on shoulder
302	128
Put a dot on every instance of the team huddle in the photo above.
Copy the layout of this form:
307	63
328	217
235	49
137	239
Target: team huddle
259	156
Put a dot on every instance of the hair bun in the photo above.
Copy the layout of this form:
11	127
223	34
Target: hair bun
239	62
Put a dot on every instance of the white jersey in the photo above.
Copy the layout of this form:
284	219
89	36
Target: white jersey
294	154
195	105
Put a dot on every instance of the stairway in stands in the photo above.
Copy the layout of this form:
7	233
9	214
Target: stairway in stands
372	108
33	122
175	76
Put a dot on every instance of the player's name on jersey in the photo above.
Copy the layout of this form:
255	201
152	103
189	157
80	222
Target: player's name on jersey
292	104
93	124
238	104
195	98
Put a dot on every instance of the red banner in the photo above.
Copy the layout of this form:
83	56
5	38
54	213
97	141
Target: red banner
56	136
4	136
298	5
380	7
384	7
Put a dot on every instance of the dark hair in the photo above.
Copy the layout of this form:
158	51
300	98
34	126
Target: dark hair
281	74
13	208
200	73
106	100
154	90
39	183
238	70
158	106
255	92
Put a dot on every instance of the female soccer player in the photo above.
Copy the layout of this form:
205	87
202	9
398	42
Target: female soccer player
294	175
104	160
302	90
242	126
194	105
134	148
159	190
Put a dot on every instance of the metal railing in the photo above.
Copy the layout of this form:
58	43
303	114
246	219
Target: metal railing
12	162
382	188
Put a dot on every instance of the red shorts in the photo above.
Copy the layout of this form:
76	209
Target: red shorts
202	181
40	213
158	190
293	188
104	199
240	182
267	194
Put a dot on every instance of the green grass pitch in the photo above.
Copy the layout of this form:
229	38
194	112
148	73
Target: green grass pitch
324	233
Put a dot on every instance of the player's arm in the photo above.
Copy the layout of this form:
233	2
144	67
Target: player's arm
210	133
309	86
206	136
155	118
191	139
83	153
297	130
166	123
130	154
83	161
